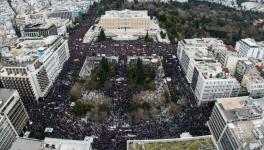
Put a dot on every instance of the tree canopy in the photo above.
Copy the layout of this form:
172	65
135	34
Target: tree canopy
102	36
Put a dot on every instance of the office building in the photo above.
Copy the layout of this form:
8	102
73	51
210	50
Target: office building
210	82
35	30
229	59
250	48
8	133
191	51
12	106
237	123
33	65
200	61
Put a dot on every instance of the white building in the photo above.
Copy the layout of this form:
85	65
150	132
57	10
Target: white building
228	3
12	107
242	67
128	24
250	48
52	144
8	133
230	58
237	123
254	83
208	77
33	65
210	82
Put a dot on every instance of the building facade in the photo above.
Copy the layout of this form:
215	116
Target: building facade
242	67
8	133
254	83
237	123
128	24
12	106
33	66
200	61
125	19
35	30
250	48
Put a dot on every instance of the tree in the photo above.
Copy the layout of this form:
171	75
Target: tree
39	133
147	36
162	34
130	73
81	109
140	75
104	65
101	36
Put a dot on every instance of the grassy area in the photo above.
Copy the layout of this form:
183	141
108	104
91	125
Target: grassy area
205	143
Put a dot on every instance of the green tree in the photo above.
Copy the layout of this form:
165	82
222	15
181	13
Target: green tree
39	133
130	73
162	34
140	74
147	36
104	65
81	109
101	36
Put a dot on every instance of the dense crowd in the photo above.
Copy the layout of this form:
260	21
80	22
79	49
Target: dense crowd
54	111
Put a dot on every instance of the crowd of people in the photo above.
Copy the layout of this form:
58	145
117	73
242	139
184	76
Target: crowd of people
54	111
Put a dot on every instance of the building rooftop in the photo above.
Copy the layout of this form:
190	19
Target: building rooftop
250	42
51	144
126	14
212	70
253	76
190	143
28	51
63	144
244	117
26	144
38	26
5	94
235	109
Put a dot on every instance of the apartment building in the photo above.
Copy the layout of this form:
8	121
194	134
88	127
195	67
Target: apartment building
12	106
8	133
237	123
33	65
